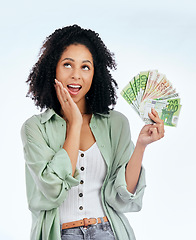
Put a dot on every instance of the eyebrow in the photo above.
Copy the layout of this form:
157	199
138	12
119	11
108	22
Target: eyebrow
71	59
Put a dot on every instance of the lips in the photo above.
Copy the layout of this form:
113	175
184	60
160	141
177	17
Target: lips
74	88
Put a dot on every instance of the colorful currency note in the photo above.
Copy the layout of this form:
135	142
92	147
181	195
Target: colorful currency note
151	89
168	110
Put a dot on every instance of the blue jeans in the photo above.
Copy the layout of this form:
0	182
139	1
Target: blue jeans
101	231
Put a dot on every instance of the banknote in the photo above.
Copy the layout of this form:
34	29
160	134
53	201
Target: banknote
151	78
129	93
137	87
172	95
130	102
151	89
168	110
143	76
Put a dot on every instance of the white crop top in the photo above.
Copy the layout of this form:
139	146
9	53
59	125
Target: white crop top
84	200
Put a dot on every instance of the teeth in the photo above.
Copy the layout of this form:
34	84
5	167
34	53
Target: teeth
74	86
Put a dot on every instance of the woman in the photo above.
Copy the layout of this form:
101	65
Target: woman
82	170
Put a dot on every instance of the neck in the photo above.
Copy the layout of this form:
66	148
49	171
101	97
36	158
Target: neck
83	108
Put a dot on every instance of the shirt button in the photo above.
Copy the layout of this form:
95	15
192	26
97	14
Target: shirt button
82	155
81	208
82	168
81	195
81	182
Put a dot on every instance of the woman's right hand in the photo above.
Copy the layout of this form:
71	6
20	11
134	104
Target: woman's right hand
73	117
69	109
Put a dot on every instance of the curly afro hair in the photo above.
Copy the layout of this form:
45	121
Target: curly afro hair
102	94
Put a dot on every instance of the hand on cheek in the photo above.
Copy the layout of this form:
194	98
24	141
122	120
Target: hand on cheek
69	109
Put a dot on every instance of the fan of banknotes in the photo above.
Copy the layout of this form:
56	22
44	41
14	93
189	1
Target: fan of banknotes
151	89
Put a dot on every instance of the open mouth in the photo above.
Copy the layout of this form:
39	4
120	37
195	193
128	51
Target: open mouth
74	88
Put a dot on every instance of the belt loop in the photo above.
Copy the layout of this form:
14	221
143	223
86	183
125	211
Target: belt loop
96	221
103	224
85	222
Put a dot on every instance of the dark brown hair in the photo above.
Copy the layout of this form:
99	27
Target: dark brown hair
102	94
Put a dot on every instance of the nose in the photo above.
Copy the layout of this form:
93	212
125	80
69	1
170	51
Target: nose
76	74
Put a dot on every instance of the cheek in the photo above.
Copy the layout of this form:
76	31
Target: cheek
90	80
61	74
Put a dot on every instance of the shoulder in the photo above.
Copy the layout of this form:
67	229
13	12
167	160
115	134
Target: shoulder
33	121
112	118
35	126
30	127
38	120
116	114
118	118
119	127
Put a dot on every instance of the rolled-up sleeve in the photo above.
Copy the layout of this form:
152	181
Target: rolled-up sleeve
48	173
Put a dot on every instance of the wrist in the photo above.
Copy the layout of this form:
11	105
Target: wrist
74	126
74	123
140	146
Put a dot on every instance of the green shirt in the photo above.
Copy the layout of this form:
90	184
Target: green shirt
49	172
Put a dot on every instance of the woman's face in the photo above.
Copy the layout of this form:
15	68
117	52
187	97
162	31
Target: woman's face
75	71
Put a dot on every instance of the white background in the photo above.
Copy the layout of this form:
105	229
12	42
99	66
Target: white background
143	35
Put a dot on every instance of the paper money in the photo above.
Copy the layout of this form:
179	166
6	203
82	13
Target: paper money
168	110
151	89
143	76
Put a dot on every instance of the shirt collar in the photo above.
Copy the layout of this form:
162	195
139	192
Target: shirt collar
107	115
49	113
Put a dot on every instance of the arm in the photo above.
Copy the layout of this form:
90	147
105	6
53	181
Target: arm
73	117
133	168
149	133
117	195
48	172
129	175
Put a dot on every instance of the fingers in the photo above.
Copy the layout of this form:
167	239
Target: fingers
153	130
58	91
161	129
159	124
155	116
154	134
62	93
158	129
69	109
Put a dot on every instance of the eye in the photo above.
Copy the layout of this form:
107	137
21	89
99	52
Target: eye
67	65
85	67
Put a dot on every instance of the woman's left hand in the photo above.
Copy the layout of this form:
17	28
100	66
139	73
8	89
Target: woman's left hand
151	132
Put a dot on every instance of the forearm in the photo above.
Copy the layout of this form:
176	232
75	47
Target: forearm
133	168
72	144
149	133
